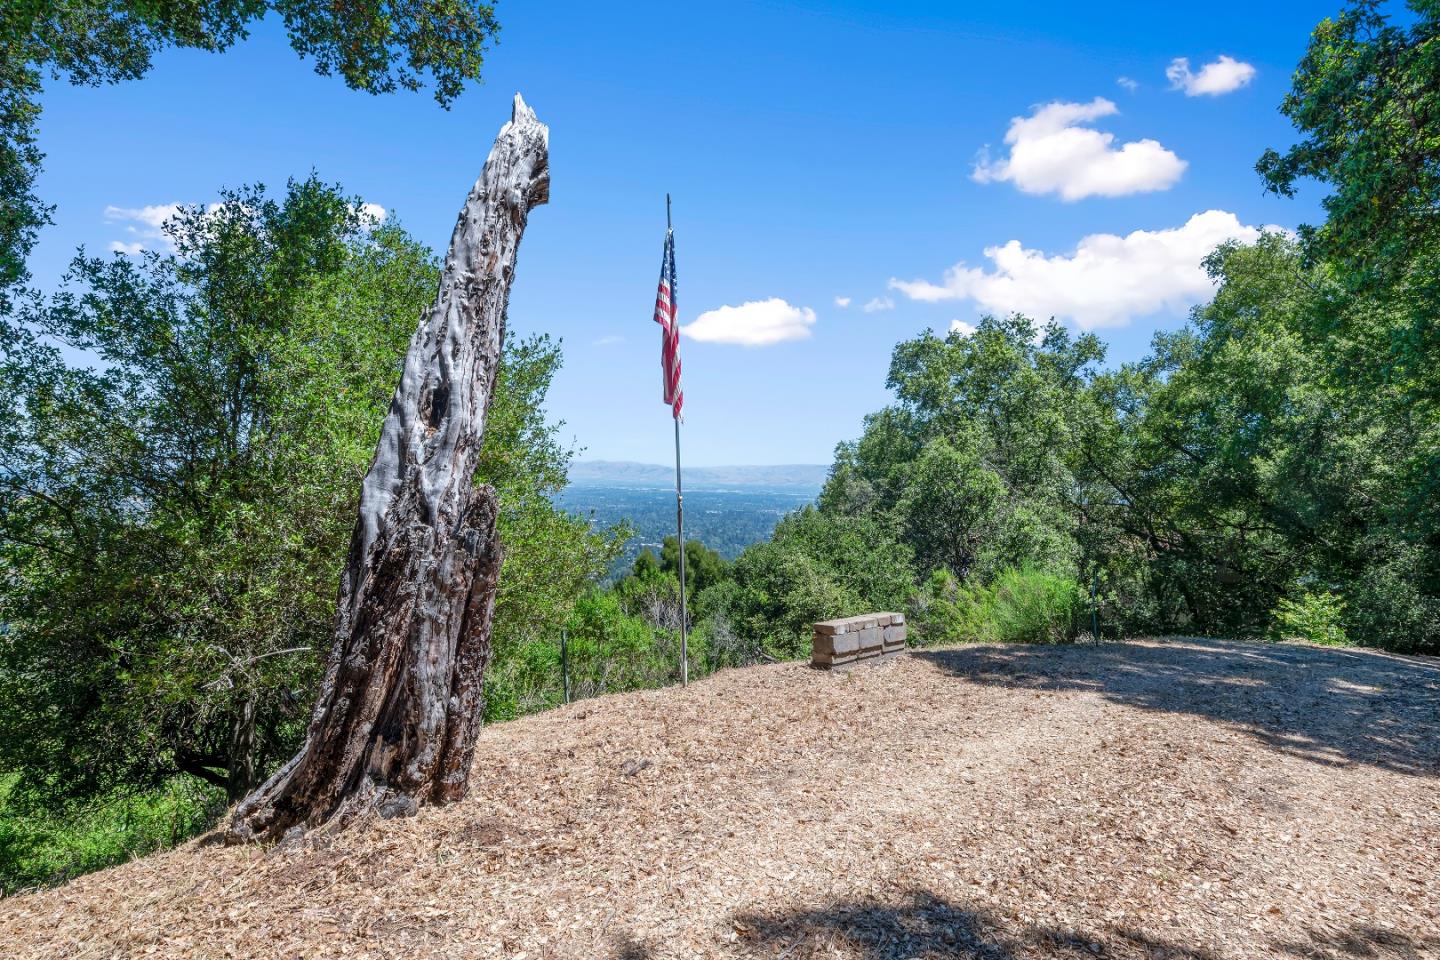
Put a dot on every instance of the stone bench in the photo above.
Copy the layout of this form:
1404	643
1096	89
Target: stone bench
851	640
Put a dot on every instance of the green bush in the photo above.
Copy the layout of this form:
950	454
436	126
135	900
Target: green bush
625	638
40	845
815	567
944	611
1313	617
1023	605
1035	606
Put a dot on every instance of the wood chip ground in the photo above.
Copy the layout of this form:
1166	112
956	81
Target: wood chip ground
1188	799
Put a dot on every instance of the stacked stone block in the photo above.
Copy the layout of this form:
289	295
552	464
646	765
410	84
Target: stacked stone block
851	640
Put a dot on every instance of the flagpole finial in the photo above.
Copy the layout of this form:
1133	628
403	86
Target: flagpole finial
667	211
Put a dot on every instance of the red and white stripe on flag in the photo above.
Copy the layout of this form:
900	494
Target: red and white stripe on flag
665	315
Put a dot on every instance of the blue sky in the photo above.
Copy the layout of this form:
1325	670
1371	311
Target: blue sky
814	151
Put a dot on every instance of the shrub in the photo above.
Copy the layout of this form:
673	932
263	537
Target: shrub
613	645
816	566
1311	617
1035	606
41	845
944	611
1023	605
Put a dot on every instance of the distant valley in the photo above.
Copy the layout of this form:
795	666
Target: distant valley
726	508
800	478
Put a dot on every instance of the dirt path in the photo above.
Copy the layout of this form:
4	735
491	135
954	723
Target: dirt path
1185	800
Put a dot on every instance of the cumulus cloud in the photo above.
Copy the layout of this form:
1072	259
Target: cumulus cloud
962	328
758	323
152	216
842	302
146	224
1224	75
143	223
878	305
1052	152
1107	281
1128	84
371	215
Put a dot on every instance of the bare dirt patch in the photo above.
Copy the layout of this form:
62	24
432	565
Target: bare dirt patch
1182	799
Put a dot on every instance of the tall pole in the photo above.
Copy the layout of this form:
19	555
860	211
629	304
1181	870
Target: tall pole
565	664
680	526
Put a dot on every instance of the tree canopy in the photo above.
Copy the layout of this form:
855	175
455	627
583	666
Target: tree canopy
175	516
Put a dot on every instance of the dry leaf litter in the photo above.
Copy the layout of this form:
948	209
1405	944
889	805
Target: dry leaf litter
1179	799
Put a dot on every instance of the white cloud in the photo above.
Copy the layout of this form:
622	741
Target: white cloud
962	328
878	305
1107	281
371	215
609	341
152	217
758	323
842	302
1128	84
1224	75
144	223
1050	152
147	223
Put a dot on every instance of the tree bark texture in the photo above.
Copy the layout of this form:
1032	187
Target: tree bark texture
395	724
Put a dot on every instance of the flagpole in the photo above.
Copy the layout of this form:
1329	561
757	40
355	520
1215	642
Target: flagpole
680	527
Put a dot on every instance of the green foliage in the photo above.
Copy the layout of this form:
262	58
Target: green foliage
1311	616
623	638
22	214
170	518
1289	434
1368	108
1033	606
173	520
378	48
817	566
552	558
173	523
970	467
1250	469
944	611
1022	605
703	567
950	507
40	846
646	565
610	649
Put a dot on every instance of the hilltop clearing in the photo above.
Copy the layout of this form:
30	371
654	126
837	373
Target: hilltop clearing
1184	799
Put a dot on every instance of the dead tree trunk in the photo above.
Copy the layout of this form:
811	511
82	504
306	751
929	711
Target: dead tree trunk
398	713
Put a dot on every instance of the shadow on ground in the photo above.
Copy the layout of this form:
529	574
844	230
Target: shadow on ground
1332	706
922	925
1360	940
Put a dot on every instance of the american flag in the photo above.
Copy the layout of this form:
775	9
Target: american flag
670	328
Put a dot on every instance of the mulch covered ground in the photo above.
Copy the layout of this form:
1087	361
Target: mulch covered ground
1184	799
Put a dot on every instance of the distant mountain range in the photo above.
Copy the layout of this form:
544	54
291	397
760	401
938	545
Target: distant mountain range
799	477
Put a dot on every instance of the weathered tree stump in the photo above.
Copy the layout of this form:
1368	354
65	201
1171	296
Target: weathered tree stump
395	723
